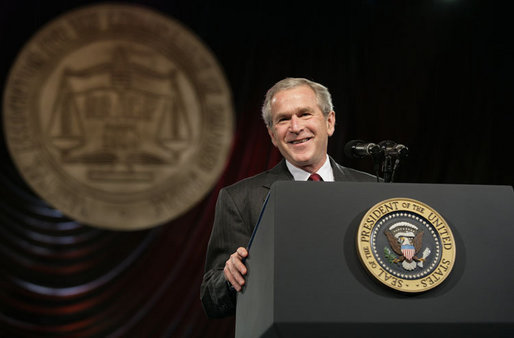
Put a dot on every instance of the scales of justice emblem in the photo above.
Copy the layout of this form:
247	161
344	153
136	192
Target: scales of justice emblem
118	116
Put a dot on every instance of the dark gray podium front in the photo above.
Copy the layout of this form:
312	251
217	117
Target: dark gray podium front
305	278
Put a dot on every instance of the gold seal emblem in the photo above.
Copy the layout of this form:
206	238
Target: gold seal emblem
406	245
118	116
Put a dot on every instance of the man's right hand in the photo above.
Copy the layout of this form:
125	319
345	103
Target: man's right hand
235	270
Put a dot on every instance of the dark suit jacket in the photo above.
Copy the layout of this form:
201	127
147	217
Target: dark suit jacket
237	212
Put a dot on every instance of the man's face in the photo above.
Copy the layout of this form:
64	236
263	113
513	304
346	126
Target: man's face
299	129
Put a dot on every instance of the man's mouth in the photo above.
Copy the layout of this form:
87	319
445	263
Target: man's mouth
303	140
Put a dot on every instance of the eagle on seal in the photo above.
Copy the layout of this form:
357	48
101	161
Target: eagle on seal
406	248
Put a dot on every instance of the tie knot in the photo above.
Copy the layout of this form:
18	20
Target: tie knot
315	177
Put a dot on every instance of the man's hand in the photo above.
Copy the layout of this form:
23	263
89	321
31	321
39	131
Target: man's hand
235	270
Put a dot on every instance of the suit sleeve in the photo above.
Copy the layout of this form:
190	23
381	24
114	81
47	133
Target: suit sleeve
228	233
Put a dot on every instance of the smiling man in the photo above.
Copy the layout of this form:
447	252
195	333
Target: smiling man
299	128
299	116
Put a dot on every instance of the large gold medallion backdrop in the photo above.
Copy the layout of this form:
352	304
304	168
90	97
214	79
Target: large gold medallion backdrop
118	116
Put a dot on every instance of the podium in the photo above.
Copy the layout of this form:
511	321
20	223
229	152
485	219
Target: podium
305	278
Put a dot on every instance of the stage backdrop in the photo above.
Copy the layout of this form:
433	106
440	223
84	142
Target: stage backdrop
436	76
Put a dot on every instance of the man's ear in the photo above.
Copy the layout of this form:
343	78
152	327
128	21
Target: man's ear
331	123
271	135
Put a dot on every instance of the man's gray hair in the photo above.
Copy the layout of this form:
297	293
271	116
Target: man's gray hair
322	96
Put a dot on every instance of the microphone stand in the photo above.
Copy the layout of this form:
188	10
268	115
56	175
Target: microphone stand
391	158
378	158
387	168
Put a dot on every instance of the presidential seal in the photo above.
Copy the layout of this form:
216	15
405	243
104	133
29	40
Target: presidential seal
406	245
118	116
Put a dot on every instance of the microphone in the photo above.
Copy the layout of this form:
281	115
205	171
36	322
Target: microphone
386	155
402	150
361	149
394	149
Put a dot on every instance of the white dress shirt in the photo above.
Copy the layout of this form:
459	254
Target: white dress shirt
325	172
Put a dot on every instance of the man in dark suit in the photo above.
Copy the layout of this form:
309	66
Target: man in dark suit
300	118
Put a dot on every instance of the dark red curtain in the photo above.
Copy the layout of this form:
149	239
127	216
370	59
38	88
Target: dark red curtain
434	75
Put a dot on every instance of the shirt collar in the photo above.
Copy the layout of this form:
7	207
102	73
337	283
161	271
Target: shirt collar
325	172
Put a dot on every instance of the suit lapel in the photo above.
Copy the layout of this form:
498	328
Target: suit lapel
277	173
349	175
340	173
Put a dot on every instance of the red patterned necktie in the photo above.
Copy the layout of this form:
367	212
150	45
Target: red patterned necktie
315	177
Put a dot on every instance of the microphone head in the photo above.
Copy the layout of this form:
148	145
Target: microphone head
403	151
349	148
374	150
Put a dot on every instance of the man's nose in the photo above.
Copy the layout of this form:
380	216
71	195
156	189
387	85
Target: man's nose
295	125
